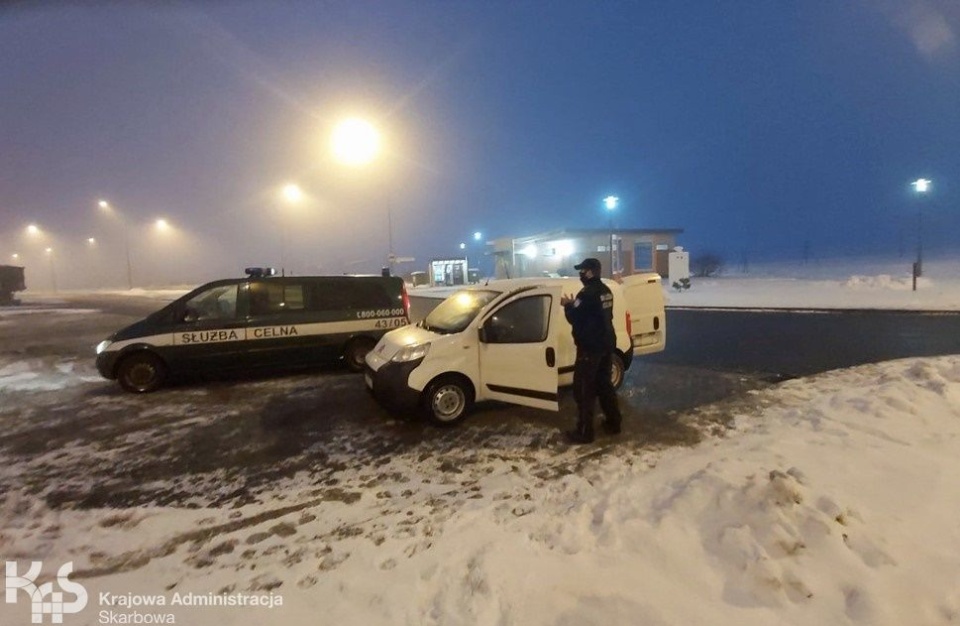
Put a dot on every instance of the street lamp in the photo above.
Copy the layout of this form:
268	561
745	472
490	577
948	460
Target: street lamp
293	195
355	142
611	202
921	186
478	239
53	272
108	209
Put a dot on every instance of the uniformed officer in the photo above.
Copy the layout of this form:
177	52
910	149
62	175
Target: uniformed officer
591	316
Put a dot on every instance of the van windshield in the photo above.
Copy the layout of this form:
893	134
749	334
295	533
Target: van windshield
456	312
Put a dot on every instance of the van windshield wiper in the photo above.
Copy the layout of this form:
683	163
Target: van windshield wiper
436	329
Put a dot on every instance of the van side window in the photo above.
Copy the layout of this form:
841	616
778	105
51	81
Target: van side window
268	298
293	298
524	321
216	303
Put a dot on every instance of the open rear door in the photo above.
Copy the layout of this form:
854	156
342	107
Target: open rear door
644	299
519	342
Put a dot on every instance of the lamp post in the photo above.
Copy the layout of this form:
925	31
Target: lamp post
37	236
921	186
356	143
610	202
53	271
292	195
107	208
478	239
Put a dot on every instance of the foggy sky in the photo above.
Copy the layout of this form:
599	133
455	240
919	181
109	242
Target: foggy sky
763	129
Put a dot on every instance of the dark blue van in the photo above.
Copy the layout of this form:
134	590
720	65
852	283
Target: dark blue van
255	323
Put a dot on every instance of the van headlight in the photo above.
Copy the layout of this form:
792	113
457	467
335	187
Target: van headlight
411	353
103	345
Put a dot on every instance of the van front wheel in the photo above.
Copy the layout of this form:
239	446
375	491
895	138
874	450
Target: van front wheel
617	371
447	400
141	372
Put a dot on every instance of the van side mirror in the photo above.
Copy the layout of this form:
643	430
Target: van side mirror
482	334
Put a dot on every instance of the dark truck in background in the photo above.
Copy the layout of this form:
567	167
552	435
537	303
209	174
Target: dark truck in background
11	281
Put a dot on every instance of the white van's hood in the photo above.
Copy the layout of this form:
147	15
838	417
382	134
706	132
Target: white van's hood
394	341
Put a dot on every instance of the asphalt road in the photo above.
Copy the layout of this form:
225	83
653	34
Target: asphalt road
785	344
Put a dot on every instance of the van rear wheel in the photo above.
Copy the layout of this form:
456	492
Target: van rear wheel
447	401
141	372
355	354
617	370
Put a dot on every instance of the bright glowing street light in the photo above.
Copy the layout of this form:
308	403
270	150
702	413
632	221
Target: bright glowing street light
355	142
91	241
477	236
611	202
15	256
33	230
107	208
921	186
53	272
292	193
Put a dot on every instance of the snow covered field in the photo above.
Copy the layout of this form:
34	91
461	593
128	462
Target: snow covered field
825	500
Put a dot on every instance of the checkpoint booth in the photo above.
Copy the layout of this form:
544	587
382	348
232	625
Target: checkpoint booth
448	272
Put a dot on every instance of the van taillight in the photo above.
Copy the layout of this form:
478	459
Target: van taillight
629	325
406	302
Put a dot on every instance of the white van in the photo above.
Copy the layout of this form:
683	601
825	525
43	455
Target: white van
507	340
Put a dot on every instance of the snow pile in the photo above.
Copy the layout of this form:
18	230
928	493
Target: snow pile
834	504
837	285
885	281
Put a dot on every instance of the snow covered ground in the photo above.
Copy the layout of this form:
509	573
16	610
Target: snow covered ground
826	500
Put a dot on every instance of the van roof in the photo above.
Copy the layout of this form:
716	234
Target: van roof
509	284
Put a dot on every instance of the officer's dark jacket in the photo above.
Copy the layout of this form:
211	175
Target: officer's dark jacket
591	315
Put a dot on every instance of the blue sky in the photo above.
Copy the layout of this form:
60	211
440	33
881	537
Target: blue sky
760	128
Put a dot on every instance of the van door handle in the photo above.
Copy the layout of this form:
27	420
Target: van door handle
551	357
